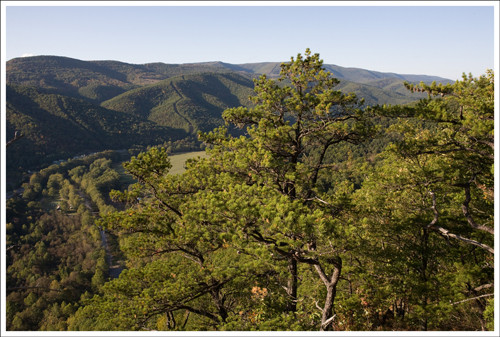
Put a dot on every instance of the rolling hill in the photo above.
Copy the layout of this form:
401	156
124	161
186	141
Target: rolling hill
58	127
191	102
99	81
67	76
96	81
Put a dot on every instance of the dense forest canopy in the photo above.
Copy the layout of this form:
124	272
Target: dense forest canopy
311	210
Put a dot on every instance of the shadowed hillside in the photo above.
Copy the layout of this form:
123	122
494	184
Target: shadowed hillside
57	126
68	77
191	102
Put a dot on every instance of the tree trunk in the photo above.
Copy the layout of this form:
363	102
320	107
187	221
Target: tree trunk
219	303
291	289
331	290
327	316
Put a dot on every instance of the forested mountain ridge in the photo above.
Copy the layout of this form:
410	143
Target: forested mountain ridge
67	76
112	104
96	80
86	78
58	127
342	73
189	102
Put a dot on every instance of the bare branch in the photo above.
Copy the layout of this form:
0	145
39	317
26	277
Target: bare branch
465	210
320	200
322	274
317	306
12	247
17	136
446	233
471	299
484	286
328	322
434	210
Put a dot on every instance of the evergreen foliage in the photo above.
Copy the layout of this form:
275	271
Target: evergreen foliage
310	210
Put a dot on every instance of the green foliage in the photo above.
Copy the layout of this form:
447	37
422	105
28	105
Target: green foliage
49	268
55	256
249	211
434	221
489	315
308	211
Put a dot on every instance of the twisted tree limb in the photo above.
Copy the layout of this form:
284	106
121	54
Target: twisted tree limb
446	233
17	136
468	216
473	298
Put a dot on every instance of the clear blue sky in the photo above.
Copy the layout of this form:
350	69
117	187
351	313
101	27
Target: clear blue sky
434	40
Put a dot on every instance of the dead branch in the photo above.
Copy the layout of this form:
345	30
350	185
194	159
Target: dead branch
17	136
446	233
471	299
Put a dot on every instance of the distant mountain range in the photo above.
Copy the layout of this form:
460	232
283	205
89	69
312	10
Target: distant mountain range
66	106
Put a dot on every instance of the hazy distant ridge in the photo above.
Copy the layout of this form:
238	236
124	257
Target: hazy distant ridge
20	70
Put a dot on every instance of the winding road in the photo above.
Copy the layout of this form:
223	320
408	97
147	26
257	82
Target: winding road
114	270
